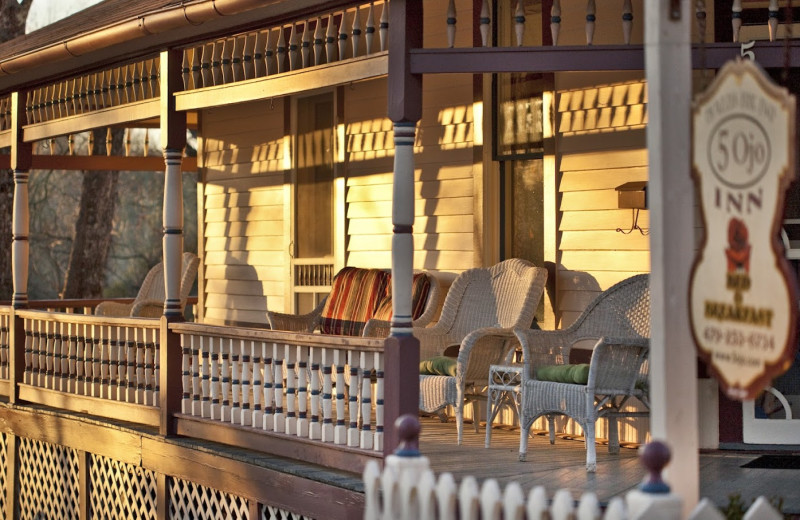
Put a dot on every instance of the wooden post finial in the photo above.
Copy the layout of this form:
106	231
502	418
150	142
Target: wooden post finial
408	429
655	456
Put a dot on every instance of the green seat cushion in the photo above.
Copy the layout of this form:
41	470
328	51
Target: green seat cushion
575	374
438	366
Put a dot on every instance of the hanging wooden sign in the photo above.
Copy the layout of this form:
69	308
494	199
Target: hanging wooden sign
742	291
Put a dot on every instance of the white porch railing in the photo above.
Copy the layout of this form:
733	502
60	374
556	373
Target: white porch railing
321	388
407	489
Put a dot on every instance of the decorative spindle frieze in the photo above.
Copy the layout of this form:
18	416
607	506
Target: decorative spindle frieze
451	23
591	12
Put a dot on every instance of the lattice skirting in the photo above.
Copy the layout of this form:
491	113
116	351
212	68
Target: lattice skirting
48	481
50	488
120	490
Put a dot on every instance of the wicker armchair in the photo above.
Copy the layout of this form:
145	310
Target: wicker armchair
619	318
479	315
149	303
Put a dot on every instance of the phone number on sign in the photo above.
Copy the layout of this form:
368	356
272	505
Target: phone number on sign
736	338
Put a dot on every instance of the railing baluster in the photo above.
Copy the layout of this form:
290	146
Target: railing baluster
627	21
141	349
196	344
343	36
88	383
591	11
279	424
269	411
186	374
236	383
369	34
227	60
269	55
366	437
206	75
246	413
451	23
141	74
356	33
248	66
772	23
237	59
318	43
315	426
736	18
384	26
280	54
205	349
294	50
80	367
36	355
225	376
485	22
186	69
340	435
355	379
330	41
259	54
327	396
105	359
302	391
216	63
130	361
379	389
519	23
196	68
155	364
258	386
291	388
216	412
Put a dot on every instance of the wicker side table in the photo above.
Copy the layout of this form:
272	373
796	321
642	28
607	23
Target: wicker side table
503	389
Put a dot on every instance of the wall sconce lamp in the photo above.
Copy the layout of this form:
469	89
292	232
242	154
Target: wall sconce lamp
633	195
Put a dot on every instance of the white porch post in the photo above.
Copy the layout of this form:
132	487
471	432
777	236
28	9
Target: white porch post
403	222
673	372
21	155
173	140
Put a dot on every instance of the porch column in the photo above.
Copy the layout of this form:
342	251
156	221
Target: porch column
673	367
405	109
21	155
173	141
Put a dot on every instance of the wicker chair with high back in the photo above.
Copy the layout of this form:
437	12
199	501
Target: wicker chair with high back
619	321
149	302
480	312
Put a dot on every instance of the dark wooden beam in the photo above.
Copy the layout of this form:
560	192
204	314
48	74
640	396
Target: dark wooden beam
582	58
101	162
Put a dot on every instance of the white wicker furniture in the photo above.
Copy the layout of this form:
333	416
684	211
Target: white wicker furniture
480	312
149	302
619	318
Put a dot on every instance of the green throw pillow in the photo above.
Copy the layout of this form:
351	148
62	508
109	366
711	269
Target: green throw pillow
438	366
576	374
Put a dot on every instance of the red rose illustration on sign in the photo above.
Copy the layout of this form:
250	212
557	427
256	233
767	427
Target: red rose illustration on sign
738	251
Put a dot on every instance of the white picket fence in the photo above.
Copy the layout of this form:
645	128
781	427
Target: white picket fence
408	490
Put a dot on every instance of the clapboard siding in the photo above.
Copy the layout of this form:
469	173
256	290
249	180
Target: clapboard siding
244	260
444	186
601	121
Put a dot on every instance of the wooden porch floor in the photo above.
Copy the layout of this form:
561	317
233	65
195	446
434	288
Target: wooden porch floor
563	466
